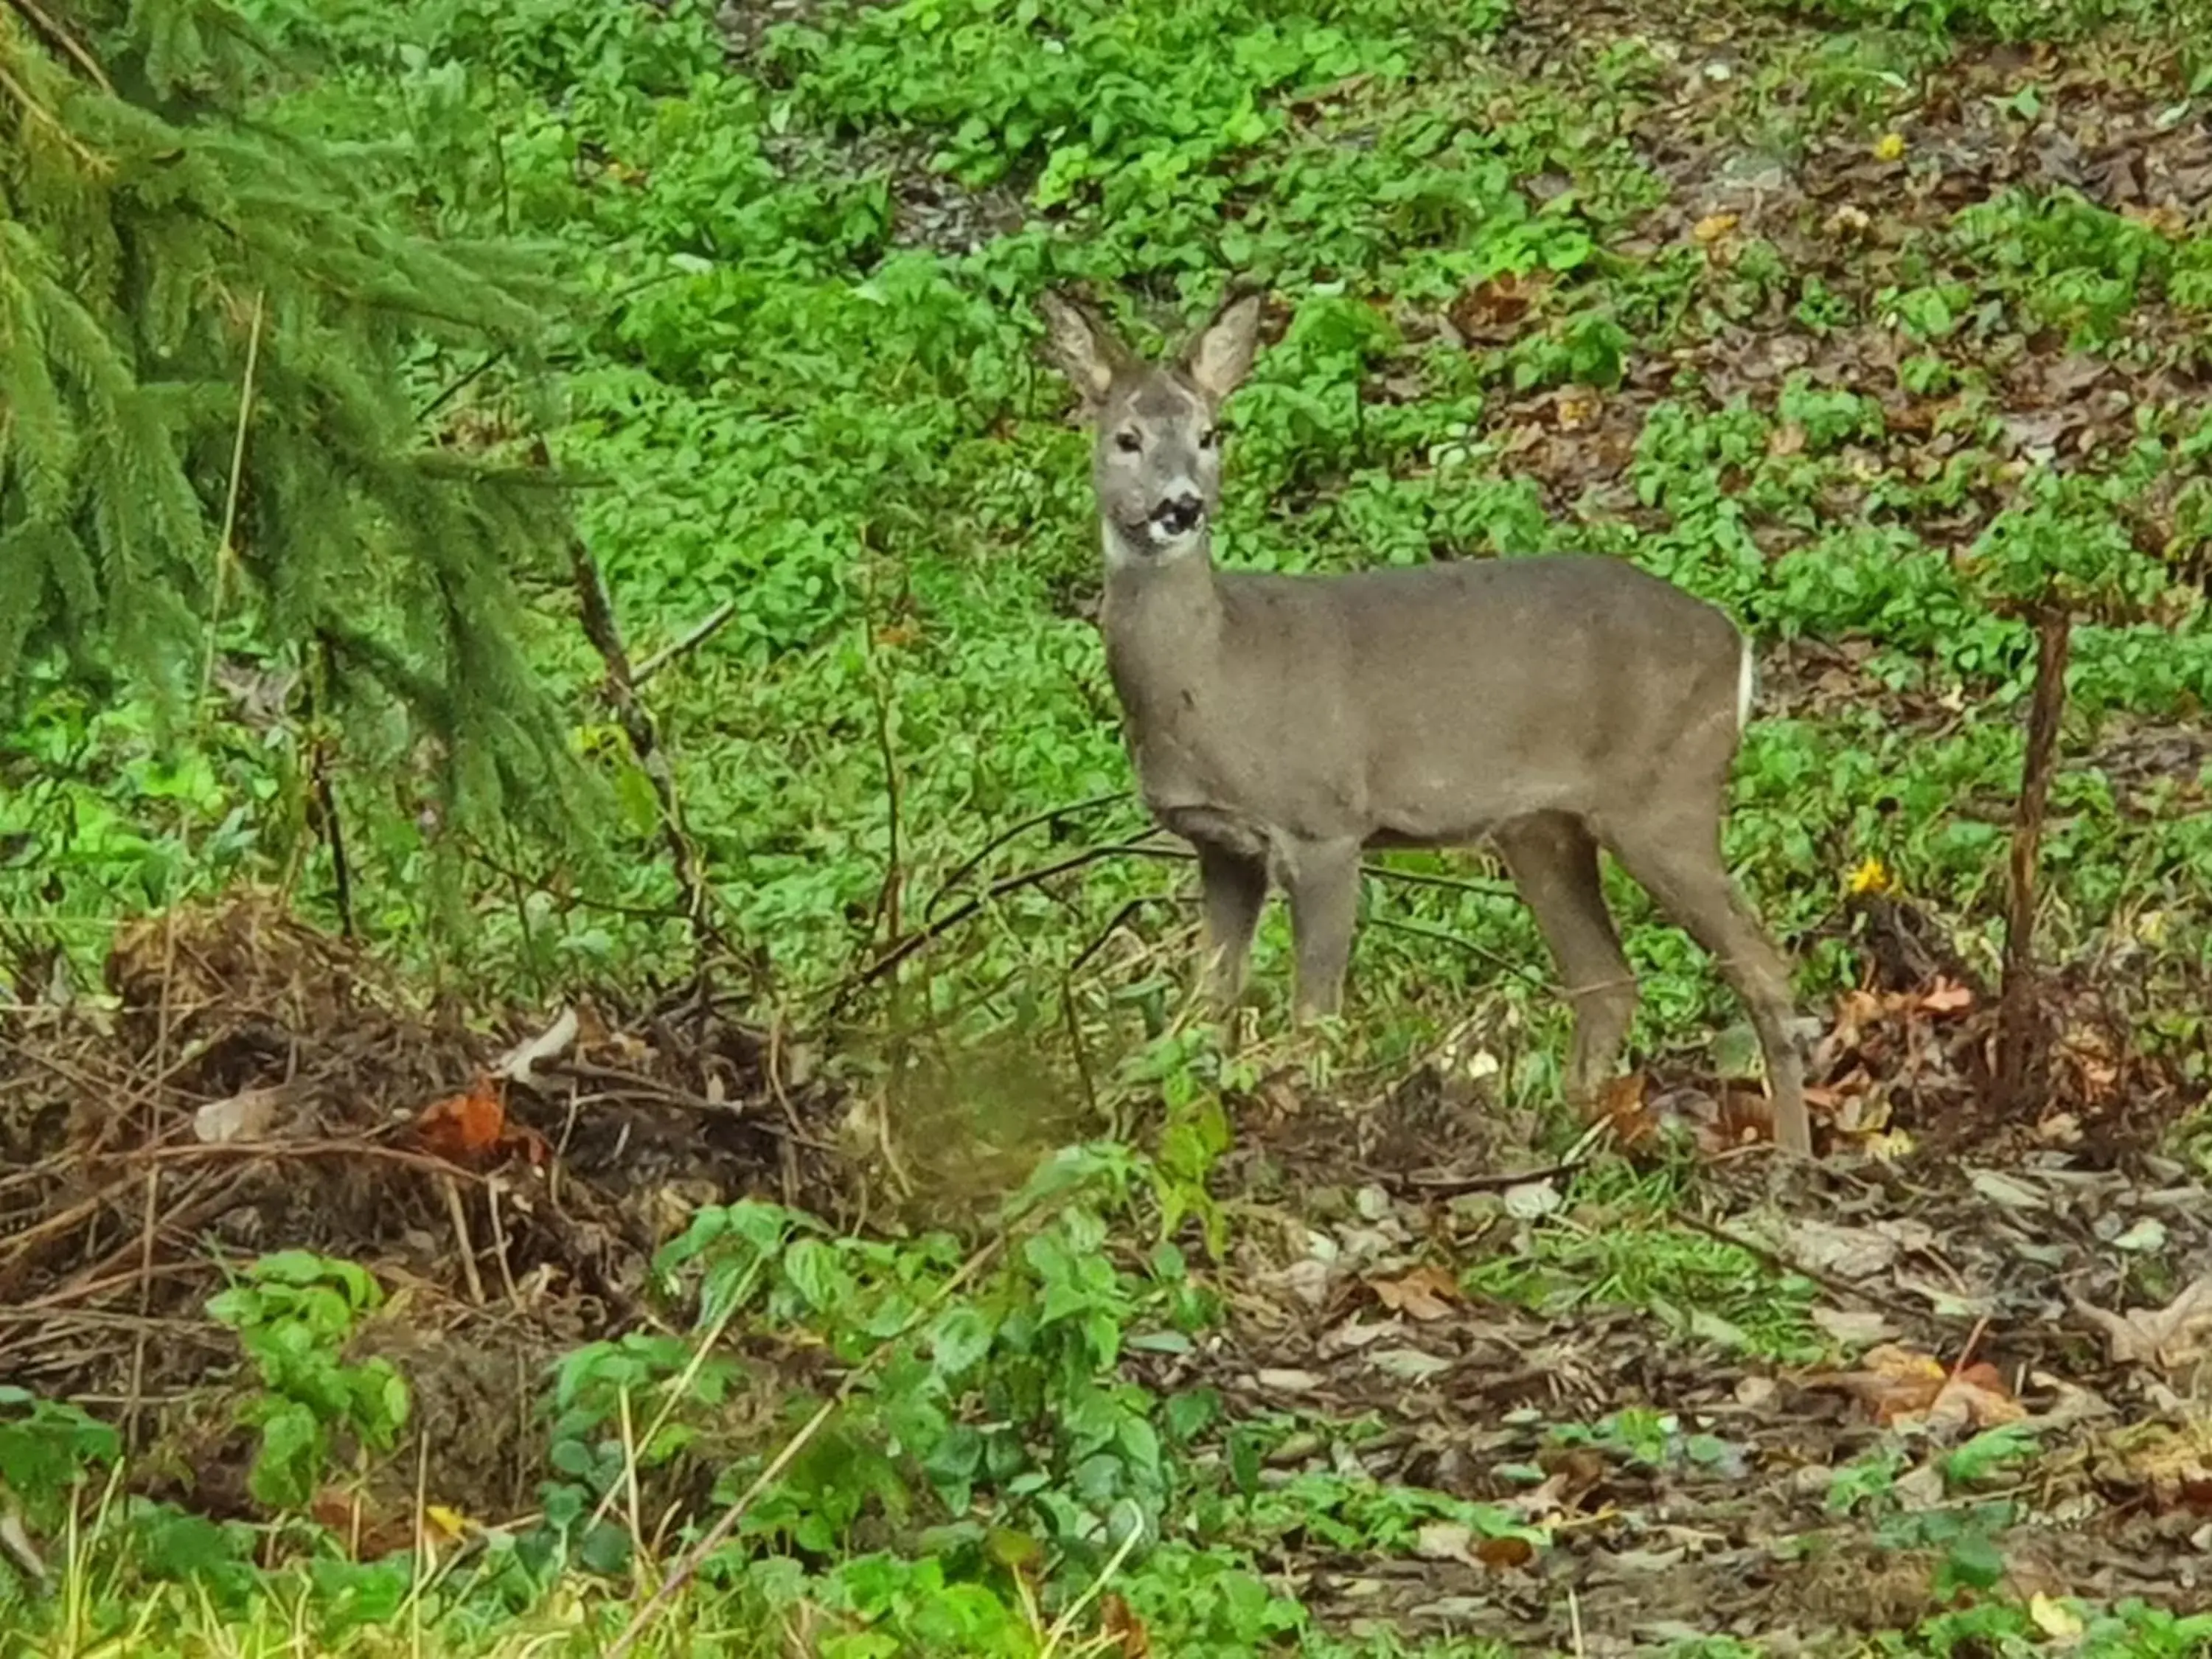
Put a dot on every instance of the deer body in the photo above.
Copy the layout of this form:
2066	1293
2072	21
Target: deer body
1282	724
1394	708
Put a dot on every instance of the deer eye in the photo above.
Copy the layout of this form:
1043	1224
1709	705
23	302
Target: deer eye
1128	442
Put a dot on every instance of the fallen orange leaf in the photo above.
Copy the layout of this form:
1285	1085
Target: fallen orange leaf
466	1126
1904	1387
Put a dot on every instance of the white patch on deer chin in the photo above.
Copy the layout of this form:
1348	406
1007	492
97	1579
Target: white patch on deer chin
1173	543
1153	544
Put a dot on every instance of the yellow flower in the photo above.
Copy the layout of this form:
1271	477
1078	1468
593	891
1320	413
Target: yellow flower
1889	147
1872	876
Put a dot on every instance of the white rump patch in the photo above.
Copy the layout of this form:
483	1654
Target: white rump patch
1747	686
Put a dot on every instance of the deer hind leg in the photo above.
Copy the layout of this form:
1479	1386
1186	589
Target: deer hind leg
1234	889
1323	877
1675	852
1553	859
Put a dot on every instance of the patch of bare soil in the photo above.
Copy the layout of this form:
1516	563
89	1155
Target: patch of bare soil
254	1085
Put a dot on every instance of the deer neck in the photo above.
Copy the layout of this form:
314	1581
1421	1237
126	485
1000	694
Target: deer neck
1161	618
1161	613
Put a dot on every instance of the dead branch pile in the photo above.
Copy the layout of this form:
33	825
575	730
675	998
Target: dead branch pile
252	1084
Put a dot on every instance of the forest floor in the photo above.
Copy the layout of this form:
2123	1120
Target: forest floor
1400	1382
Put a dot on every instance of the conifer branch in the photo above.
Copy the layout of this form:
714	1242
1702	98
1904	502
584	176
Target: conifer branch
61	40
37	110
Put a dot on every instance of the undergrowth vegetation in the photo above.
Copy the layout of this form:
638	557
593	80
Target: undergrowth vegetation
1764	298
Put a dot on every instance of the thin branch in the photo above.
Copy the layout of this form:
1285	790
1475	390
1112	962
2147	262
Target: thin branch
1481	953
2021	1057
889	910
38	110
1050	815
604	632
699	635
461	382
1480	888
325	800
225	546
932	931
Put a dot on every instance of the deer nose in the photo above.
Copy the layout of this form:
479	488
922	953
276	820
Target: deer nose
1179	514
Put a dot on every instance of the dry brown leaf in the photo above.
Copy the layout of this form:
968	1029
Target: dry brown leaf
249	1115
1946	998
1445	1541
1505	1552
1853	1252
1575	408
1745	1115
1621	1102
1425	1293
1975	1397
1714	226
1893	1381
1546	1497
1853	1327
1127	1630
1904	1387
2169	1338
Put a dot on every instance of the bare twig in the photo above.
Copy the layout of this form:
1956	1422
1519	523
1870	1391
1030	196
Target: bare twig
928	935
222	1151
458	1214
1052	815
1481	953
605	636
1774	1259
461	382
225	548
2021	1060
38	112
711	625
889	911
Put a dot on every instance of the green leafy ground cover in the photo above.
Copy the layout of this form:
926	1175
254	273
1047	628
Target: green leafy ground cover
1870	321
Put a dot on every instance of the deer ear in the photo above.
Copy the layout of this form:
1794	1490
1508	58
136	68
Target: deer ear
1081	346
1219	355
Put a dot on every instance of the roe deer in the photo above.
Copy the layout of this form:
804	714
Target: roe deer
1282	724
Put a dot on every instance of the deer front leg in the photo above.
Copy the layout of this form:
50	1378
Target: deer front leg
1234	889
1323	881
